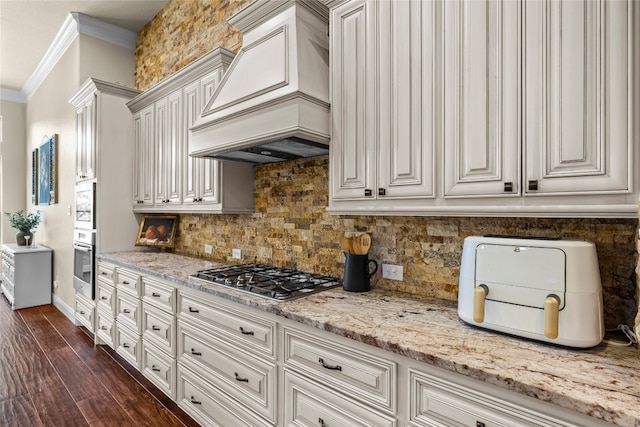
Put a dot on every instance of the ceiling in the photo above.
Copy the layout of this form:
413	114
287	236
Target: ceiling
27	28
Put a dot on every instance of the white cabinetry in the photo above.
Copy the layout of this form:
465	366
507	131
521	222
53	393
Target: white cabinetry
26	275
166	178
383	102
507	108
86	138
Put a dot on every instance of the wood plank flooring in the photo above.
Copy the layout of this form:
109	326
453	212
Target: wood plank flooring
52	375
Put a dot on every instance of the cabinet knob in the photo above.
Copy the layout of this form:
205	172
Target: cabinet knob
368	192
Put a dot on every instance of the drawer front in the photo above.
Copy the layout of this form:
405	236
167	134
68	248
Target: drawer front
128	344
357	374
106	272
159	328
8	289
434	401
159	368
313	405
246	378
209	406
128	281
159	294
106	296
85	313
128	311
105	328
243	329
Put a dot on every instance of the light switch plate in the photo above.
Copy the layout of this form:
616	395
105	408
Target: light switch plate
236	253
208	249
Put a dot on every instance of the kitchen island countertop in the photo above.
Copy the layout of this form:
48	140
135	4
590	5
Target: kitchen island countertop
601	381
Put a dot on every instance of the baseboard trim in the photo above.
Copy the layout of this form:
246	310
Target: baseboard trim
68	312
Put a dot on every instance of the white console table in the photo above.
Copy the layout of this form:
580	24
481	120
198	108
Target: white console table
26	275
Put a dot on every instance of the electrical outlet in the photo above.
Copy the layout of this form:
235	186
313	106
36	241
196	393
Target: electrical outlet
236	253
392	272
208	249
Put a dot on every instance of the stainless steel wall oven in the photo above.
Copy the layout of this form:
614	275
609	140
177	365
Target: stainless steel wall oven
84	236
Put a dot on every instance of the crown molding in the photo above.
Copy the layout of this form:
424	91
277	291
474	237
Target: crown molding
74	25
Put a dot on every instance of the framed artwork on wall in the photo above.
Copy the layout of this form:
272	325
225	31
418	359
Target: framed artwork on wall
47	171
34	176
157	230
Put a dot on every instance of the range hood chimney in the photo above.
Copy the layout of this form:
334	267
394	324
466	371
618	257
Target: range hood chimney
273	103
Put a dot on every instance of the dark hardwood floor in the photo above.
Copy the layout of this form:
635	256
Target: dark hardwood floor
52	375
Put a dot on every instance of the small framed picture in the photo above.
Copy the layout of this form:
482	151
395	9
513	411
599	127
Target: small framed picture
157	230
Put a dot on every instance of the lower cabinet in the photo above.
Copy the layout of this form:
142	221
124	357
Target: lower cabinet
85	312
227	364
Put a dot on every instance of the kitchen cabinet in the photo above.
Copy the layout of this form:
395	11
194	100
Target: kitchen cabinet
128	320
26	275
525	108
86	138
383	102
167	180
106	304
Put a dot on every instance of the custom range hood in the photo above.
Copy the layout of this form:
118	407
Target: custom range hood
273	103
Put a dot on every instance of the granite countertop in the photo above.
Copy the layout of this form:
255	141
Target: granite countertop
601	381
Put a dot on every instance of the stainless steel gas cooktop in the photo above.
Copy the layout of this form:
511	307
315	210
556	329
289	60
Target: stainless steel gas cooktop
281	284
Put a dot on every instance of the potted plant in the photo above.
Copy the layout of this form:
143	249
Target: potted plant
24	223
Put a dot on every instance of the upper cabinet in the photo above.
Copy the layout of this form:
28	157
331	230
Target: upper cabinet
502	108
166	178
383	101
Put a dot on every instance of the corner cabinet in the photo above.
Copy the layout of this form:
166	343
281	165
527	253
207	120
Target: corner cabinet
166	178
471	108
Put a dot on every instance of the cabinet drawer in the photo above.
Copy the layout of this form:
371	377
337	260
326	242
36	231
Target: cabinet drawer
159	327
358	374
105	328
128	281
128	344
8	289
243	376
208	405
309	404
105	296
159	368
85	312
434	401
106	272
159	294
128	311
244	329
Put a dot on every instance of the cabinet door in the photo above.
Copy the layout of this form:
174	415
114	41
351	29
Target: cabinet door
174	148
161	153
86	117
406	95
353	139
481	99
209	177
192	107
577	96
143	157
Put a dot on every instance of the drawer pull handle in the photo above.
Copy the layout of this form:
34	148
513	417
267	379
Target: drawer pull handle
153	368
479	424
194	401
245	332
193	310
155	295
321	422
104	328
124	282
195	353
333	368
155	328
103	273
239	378
125	345
103	298
126	310
82	312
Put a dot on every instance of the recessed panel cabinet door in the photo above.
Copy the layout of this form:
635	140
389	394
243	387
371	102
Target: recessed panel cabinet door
481	98
406	94
577	96
353	139
143	126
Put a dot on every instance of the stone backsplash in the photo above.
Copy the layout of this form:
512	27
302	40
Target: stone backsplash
291	228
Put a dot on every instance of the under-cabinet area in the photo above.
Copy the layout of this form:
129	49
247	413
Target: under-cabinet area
229	358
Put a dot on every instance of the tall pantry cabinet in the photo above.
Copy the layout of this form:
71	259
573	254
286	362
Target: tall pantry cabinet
502	108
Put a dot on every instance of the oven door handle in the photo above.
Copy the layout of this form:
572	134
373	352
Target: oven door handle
82	248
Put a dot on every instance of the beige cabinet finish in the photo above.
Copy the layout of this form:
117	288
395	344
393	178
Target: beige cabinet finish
485	108
383	109
86	139
167	179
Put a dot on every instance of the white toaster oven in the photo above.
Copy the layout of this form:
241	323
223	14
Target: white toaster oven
544	289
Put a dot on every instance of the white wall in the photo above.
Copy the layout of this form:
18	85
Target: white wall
13	165
49	112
